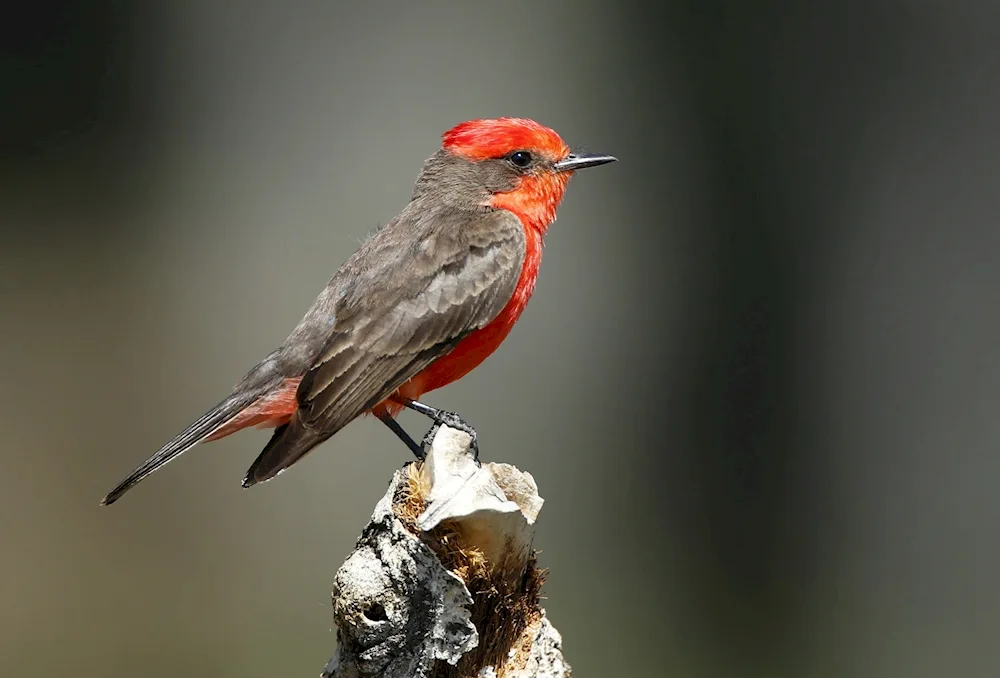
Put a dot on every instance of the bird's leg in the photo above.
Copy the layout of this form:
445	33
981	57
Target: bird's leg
417	450
441	418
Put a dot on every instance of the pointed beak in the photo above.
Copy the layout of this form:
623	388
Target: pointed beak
576	161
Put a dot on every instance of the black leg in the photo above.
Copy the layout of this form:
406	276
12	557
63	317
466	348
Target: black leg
417	450
442	418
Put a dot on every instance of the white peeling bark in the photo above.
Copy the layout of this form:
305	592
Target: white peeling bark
442	581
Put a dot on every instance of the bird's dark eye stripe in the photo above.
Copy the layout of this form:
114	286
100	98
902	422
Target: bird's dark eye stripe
520	158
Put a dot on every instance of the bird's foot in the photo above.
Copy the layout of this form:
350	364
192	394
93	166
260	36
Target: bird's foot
451	420
441	418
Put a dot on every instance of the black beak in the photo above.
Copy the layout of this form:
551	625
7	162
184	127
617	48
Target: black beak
575	161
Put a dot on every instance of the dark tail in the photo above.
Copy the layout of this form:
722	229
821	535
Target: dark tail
289	443
187	439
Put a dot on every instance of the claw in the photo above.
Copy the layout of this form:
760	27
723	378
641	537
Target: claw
441	418
451	420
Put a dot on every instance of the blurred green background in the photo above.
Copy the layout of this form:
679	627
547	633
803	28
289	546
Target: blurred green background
757	385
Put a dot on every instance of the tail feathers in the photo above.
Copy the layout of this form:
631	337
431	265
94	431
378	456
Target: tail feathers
188	438
290	442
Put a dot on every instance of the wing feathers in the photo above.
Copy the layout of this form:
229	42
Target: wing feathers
396	316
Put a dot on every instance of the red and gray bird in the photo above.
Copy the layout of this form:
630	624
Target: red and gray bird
421	304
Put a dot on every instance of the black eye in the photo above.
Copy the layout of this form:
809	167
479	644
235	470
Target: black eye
520	158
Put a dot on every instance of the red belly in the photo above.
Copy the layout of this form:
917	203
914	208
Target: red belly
475	348
464	358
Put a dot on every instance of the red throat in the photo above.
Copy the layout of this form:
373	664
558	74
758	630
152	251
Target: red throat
537	196
535	201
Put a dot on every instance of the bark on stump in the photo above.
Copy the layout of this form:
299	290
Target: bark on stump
443	580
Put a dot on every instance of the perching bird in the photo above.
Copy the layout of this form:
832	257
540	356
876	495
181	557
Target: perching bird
422	303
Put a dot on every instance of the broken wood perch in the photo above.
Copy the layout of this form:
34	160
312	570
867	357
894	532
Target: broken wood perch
443	581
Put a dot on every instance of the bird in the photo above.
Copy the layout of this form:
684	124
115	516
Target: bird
423	301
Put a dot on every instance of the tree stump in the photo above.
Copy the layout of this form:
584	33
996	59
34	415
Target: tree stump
443	580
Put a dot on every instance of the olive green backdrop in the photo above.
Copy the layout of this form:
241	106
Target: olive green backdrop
757	386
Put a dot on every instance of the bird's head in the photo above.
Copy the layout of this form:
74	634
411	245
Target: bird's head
507	163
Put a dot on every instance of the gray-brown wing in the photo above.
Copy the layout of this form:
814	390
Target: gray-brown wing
446	274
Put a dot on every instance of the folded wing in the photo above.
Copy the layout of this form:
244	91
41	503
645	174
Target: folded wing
407	297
